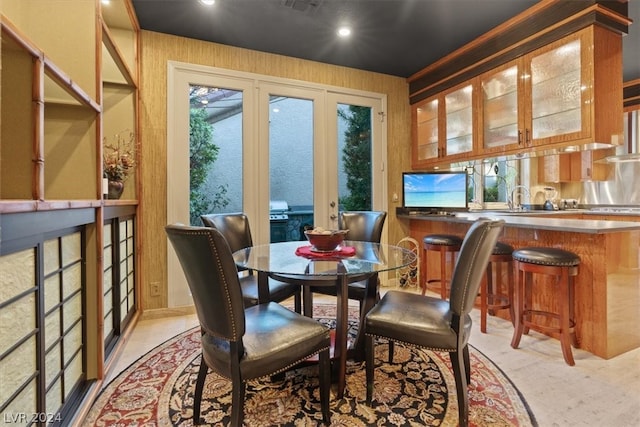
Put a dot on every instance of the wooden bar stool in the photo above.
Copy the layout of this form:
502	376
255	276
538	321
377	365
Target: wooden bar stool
445	244
564	266
492	294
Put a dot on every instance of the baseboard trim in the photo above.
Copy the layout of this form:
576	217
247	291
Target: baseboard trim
159	313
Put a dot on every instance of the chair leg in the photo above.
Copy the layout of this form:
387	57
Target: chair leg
460	375
372	296
307	301
237	402
325	385
391	348
369	366
467	363
197	396
297	303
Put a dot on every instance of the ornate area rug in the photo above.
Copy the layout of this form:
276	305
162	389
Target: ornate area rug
418	389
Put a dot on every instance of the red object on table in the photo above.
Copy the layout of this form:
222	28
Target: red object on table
308	252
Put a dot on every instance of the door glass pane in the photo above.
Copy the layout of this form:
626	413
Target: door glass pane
291	167
556	91
427	129
354	158
215	151
500	108
459	121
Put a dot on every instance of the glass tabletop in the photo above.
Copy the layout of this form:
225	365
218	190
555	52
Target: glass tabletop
281	258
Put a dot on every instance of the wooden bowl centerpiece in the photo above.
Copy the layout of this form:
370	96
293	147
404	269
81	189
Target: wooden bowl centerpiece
325	240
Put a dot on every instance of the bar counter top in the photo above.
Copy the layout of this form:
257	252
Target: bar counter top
539	220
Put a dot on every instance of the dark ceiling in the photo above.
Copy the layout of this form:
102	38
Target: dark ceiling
397	37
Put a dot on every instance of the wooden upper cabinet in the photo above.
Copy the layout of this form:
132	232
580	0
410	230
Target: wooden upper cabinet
563	94
426	129
577	166
444	126
574	90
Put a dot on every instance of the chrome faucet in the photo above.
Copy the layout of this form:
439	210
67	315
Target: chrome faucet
518	190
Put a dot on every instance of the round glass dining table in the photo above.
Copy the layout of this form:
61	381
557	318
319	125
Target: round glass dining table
296	262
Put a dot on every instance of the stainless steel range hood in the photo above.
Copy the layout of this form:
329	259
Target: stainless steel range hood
629	151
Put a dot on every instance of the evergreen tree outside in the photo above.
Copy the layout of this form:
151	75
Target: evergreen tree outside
202	154
357	158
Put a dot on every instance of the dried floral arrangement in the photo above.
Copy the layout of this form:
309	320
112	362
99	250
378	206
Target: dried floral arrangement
119	156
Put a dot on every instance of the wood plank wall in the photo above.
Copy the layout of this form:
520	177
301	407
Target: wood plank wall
157	49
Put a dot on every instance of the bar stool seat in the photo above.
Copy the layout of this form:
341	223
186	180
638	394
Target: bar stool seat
564	266
492	295
445	244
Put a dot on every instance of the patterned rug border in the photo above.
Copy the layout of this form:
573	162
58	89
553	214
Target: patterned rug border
532	416
163	399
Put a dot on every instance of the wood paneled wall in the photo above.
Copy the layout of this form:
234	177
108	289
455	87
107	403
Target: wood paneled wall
157	49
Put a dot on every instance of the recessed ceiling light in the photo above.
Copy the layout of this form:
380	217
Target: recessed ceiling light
344	31
208	2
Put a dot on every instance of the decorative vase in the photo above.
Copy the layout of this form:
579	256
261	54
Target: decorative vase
115	190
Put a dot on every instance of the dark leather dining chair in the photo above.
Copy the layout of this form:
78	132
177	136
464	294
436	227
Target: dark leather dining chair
364	226
435	323
241	343
235	228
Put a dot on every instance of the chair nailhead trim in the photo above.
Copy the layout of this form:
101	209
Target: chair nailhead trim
447	350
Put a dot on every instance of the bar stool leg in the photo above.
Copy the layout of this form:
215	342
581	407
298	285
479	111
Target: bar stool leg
528	301
565	321
512	302
484	289
572	312
443	275
423	269
519	310
493	289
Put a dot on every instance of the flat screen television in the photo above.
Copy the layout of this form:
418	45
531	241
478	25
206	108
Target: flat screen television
434	191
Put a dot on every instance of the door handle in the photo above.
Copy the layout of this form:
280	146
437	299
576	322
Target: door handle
333	217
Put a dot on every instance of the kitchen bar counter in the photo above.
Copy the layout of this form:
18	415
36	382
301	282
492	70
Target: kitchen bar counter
608	284
540	220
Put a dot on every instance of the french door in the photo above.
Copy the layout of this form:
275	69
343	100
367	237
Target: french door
276	141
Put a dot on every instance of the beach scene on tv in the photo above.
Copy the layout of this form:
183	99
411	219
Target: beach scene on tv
435	190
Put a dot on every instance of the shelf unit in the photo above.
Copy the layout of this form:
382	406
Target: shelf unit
69	78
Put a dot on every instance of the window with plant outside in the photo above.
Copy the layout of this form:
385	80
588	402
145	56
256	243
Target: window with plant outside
215	139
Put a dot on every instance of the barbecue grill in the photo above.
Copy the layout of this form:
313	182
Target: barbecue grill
278	220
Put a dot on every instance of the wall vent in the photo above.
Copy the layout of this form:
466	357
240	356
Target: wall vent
305	6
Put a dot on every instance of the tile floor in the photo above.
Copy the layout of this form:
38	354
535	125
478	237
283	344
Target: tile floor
594	392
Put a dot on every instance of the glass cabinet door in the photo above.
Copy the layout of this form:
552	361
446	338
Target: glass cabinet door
500	108
425	116
556	91
459	121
